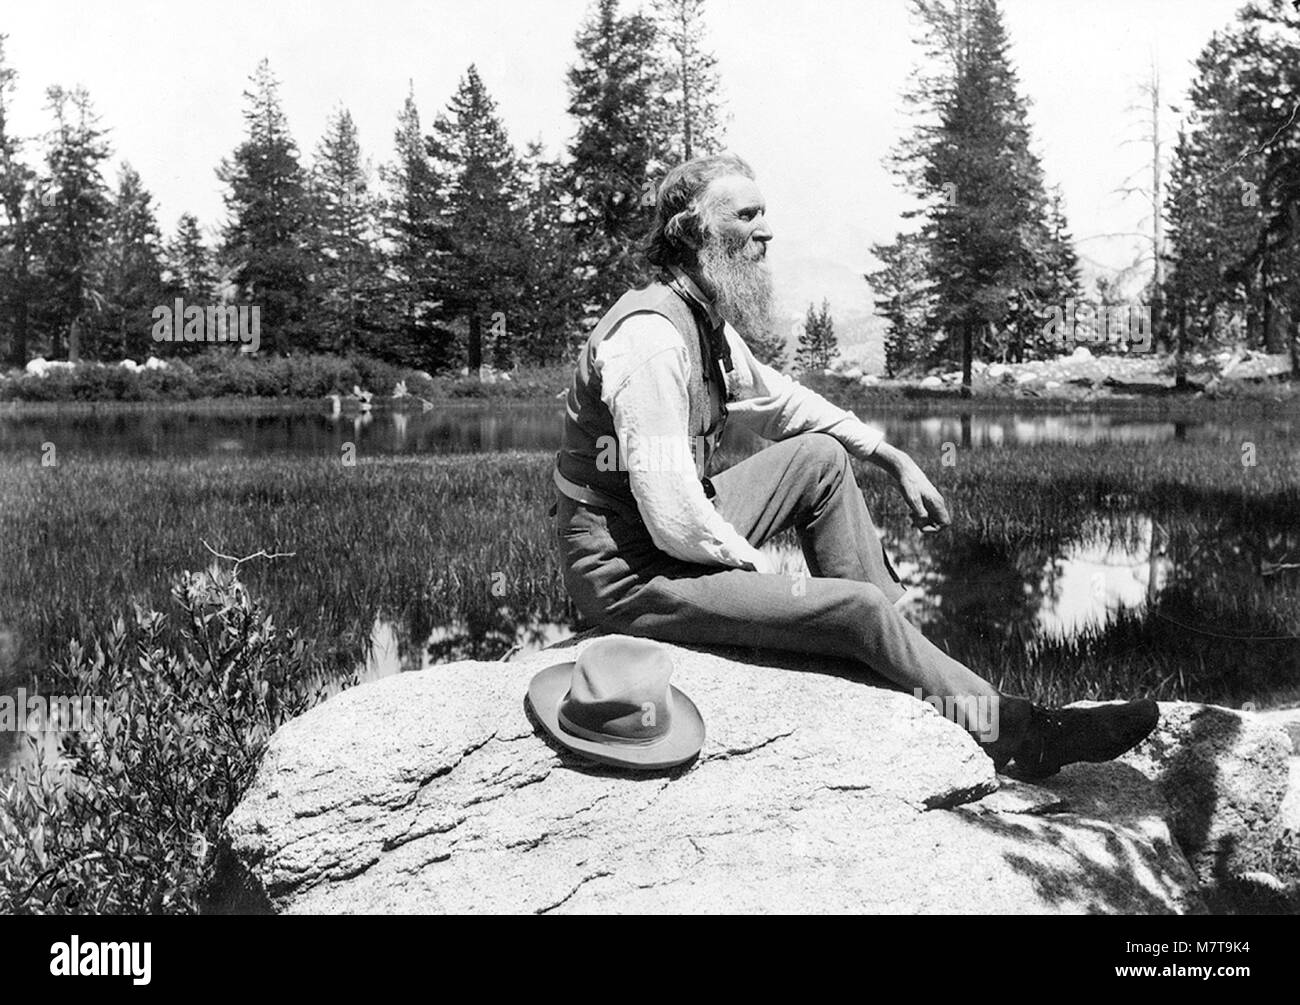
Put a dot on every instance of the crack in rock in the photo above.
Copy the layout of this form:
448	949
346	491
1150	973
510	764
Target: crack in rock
411	834
532	843
730	752
509	786
414	870
446	769
569	896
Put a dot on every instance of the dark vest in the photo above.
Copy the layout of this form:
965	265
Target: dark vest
588	425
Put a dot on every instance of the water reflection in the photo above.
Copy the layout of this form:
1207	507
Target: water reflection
1195	593
452	429
456	429
458	641
1119	563
1022	430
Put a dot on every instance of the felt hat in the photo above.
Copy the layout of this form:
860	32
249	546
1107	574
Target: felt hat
614	704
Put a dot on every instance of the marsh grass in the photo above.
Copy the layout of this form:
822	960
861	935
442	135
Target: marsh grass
418	541
464	543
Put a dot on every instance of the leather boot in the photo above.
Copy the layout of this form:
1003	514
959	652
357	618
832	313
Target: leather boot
1042	740
1014	715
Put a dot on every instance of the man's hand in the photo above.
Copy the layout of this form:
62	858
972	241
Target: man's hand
929	512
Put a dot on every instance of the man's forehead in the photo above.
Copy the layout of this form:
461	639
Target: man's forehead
735	190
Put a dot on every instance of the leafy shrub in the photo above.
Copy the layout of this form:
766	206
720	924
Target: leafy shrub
228	374
420	385
317	376
130	822
374	374
467	387
524	383
24	387
176	383
225	373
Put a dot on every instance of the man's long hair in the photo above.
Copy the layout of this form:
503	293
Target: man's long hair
680	212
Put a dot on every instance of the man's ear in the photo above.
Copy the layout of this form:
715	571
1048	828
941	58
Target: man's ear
685	228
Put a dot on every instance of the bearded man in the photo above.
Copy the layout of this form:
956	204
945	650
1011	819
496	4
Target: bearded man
651	545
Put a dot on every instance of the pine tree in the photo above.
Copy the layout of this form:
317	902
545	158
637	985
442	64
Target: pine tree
343	230
618	152
412	226
1211	229
131	270
190	273
74	214
690	87
901	286
818	346
265	235
484	223
987	235
1215	209
1234	198
1268	63
187	261
1060	269
551	307
17	220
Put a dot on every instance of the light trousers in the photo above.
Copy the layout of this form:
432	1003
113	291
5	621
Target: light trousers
620	580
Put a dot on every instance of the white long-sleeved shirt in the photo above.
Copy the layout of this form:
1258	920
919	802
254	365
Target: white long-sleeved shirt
644	368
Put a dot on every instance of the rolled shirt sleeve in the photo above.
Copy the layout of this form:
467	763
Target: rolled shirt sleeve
776	407
644	370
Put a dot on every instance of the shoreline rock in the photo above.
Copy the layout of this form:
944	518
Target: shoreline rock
816	792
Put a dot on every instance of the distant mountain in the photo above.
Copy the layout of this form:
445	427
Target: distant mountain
808	280
803	281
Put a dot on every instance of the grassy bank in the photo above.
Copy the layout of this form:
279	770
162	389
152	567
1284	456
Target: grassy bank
462	543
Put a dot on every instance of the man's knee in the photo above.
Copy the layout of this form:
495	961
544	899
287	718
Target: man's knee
874	606
858	614
822	454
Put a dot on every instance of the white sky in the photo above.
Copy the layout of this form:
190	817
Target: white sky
812	87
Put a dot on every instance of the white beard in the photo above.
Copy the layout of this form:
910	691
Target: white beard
741	287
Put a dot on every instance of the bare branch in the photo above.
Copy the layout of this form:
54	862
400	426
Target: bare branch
240	561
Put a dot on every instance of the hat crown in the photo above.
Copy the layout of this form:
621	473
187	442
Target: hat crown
619	692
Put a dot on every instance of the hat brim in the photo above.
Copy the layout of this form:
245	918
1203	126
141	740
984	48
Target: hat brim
684	739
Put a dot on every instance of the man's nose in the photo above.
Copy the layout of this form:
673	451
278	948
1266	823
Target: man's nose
763	232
